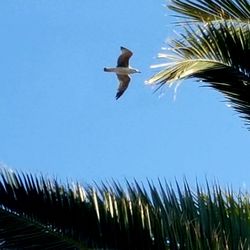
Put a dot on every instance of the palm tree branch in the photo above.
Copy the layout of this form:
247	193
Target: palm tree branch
212	10
233	84
217	55
17	230
132	218
76	213
184	69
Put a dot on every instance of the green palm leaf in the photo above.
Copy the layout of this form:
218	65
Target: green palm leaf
19	232
217	53
30	209
212	10
36	213
38	210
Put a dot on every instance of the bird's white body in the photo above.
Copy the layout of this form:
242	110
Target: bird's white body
122	70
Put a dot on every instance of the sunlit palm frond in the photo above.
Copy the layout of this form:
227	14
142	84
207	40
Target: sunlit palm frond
215	54
37	213
212	10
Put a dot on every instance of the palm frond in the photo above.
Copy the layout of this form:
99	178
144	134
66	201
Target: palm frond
29	211
212	10
36	213
215	54
17	231
77	217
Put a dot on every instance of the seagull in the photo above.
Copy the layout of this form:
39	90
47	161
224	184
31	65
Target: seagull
123	71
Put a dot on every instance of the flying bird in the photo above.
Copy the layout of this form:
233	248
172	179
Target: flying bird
123	71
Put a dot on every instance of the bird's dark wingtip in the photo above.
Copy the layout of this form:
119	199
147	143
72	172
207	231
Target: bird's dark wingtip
118	95
123	48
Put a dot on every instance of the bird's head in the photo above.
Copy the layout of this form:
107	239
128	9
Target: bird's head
136	71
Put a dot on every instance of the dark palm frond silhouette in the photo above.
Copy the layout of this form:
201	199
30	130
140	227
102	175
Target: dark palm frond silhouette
38	213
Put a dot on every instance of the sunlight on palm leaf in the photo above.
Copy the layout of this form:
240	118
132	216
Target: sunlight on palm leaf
216	51
210	48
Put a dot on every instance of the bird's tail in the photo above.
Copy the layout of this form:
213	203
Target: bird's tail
107	70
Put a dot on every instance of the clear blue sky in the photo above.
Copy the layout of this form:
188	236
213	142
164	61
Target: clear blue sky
58	110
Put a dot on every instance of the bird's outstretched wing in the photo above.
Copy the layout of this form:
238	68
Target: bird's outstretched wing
123	59
124	81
